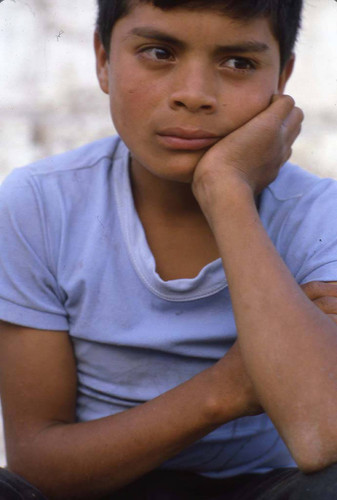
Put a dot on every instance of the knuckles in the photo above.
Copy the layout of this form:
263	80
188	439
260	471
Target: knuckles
256	151
323	295
317	289
327	304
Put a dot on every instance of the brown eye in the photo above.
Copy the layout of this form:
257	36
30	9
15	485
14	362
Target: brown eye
157	53
239	63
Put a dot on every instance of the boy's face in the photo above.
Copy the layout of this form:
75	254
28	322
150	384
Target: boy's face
181	80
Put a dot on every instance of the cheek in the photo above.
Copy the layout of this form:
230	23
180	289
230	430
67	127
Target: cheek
249	105
124	107
131	101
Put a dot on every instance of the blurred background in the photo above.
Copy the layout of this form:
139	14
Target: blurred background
50	101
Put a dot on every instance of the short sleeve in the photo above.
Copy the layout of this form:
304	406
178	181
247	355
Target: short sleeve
29	294
310	245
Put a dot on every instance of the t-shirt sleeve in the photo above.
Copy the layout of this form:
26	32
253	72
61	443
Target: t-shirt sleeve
311	229
29	294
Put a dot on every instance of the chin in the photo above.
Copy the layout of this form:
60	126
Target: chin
180	168
178	173
172	168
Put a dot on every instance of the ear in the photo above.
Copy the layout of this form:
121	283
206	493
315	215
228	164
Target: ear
102	63
286	74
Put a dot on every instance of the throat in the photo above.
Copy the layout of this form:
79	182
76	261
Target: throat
182	247
176	230
183	264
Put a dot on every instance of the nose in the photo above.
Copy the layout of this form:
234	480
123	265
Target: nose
194	90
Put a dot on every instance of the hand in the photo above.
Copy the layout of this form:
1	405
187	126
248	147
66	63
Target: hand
323	295
252	154
249	402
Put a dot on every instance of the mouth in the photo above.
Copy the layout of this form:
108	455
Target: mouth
187	139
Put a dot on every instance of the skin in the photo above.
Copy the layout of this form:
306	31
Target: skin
193	81
190	84
205	201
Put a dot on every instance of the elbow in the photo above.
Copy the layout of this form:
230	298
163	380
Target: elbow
37	475
25	470
53	482
314	463
19	465
313	453
310	465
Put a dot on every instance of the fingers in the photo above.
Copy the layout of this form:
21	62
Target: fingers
327	304
289	119
317	289
282	105
323	295
287	156
292	124
283	108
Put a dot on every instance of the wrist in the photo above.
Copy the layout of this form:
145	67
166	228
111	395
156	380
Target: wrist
232	394
219	198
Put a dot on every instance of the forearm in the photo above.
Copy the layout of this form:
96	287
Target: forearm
288	345
88	460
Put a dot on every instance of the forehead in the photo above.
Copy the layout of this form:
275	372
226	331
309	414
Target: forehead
206	25
229	7
220	7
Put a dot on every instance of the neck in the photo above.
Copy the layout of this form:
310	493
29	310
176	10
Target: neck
168	198
176	229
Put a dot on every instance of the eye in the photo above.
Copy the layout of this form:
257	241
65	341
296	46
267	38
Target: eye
239	64
157	54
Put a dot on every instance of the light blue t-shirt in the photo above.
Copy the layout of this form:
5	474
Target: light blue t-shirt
74	256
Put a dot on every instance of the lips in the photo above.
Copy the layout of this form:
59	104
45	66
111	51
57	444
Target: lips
187	139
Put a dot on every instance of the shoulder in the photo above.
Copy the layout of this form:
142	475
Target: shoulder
294	182
52	192
299	193
298	210
87	158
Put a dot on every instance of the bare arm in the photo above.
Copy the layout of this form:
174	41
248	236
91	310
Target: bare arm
288	345
70	460
323	295
66	459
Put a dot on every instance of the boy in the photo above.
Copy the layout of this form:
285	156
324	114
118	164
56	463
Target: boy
154	332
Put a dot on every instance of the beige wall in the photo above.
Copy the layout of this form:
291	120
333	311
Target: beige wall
50	102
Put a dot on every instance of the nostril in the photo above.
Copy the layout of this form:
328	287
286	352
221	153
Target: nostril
193	105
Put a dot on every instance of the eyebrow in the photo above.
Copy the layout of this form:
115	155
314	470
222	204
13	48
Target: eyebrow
239	48
154	34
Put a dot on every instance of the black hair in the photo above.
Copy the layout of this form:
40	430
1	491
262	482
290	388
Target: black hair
284	15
